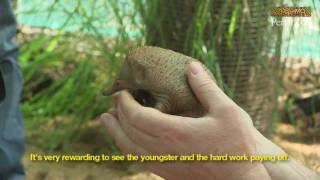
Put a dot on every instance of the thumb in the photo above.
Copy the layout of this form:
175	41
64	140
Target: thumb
204	87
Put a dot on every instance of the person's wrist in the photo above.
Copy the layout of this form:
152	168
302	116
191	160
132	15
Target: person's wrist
254	143
254	146
264	146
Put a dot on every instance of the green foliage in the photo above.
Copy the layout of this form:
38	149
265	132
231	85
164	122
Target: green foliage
288	111
64	84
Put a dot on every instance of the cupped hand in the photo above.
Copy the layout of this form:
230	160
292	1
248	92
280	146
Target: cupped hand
225	129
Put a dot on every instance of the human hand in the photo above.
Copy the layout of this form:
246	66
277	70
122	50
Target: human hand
225	129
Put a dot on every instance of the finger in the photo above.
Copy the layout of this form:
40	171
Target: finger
161	169
113	112
206	90
121	139
147	120
141	138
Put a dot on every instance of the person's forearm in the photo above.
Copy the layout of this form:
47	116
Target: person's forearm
289	170
282	170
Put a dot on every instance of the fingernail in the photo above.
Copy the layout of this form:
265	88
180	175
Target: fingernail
195	68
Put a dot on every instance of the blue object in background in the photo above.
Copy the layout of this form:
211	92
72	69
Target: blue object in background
11	126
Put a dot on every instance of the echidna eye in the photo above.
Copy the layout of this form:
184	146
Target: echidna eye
144	97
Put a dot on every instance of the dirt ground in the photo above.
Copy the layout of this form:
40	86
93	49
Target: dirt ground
304	150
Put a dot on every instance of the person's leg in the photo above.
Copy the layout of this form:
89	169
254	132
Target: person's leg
11	126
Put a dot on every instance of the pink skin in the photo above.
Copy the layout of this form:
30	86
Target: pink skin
226	128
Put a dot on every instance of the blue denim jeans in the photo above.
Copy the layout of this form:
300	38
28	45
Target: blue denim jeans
11	126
